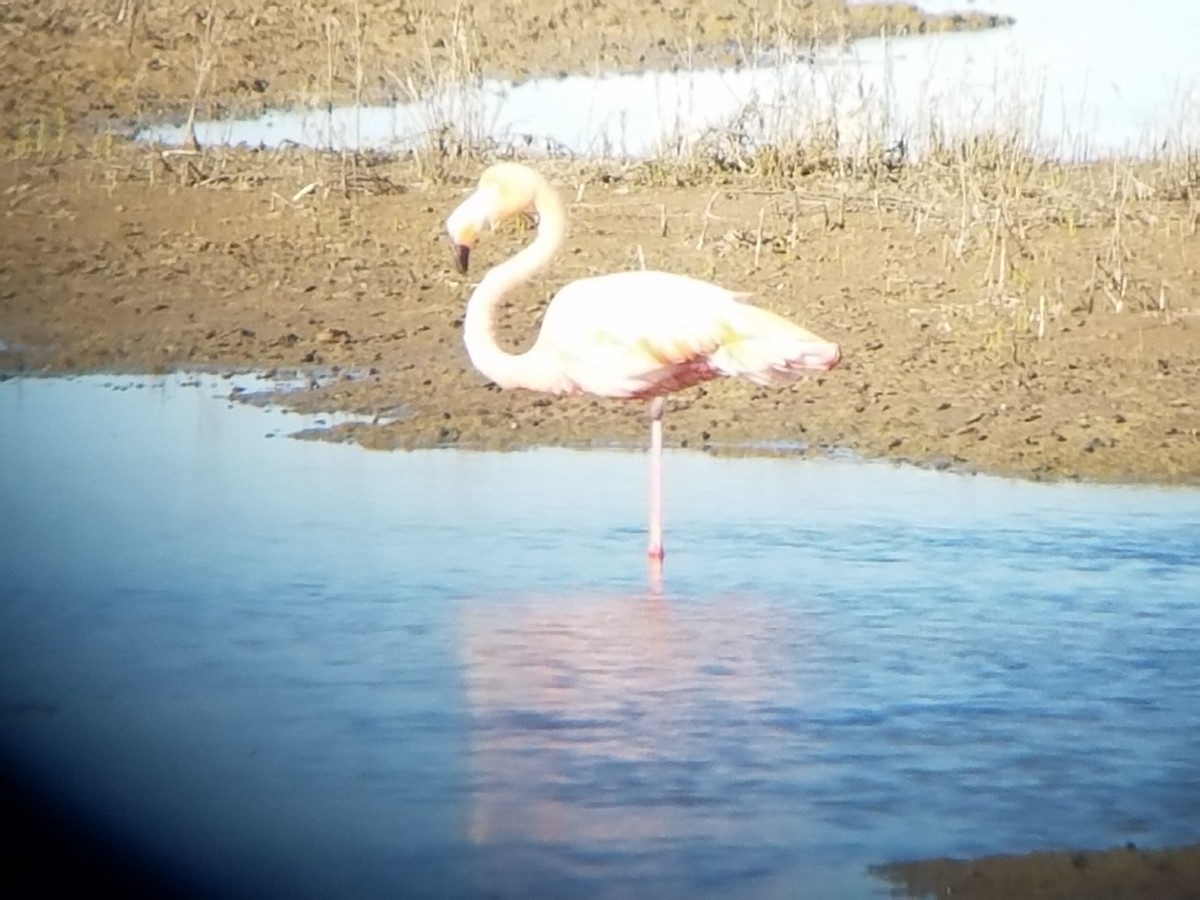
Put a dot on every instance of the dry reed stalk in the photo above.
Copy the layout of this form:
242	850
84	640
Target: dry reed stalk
209	46
331	24
132	12
705	220
758	239
991	265
356	39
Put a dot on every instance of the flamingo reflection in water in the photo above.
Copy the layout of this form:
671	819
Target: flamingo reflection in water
635	729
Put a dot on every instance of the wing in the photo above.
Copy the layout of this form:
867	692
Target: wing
634	334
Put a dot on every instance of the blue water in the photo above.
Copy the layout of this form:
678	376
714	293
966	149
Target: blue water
296	668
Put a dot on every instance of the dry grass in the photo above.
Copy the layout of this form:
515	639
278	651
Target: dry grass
983	202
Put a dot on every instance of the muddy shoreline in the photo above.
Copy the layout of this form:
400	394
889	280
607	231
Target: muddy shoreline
115	262
1122	873
124	257
77	61
1062	344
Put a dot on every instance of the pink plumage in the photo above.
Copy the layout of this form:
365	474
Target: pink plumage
627	335
639	334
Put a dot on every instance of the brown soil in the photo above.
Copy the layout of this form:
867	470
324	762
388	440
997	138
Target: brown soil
114	262
139	58
1024	319
117	257
1127	873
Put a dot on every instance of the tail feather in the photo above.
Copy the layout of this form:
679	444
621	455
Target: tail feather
767	349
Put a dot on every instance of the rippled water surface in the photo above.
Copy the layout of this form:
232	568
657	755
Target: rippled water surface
286	667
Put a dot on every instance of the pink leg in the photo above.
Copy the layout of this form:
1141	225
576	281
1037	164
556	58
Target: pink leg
657	405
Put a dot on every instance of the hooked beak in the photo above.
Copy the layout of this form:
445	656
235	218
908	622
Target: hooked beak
461	254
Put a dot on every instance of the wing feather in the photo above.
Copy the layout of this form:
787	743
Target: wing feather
638	333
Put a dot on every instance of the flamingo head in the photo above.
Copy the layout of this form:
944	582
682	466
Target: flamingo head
505	190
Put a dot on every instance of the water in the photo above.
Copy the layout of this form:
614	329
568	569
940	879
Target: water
298	668
1080	79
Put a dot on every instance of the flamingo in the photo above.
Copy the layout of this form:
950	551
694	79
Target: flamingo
632	335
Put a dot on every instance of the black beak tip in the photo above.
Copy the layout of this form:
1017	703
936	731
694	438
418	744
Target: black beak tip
461	255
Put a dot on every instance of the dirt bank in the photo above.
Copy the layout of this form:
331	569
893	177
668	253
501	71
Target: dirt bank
1012	324
141	59
1125	873
130	262
1025	319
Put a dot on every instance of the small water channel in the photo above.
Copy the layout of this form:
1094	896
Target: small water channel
296	668
1076	79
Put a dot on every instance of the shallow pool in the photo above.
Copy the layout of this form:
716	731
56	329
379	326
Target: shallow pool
294	668
1072	79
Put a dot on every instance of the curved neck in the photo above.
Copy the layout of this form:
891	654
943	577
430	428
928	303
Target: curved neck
479	326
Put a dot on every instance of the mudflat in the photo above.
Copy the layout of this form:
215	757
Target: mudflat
1038	320
996	313
113	263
